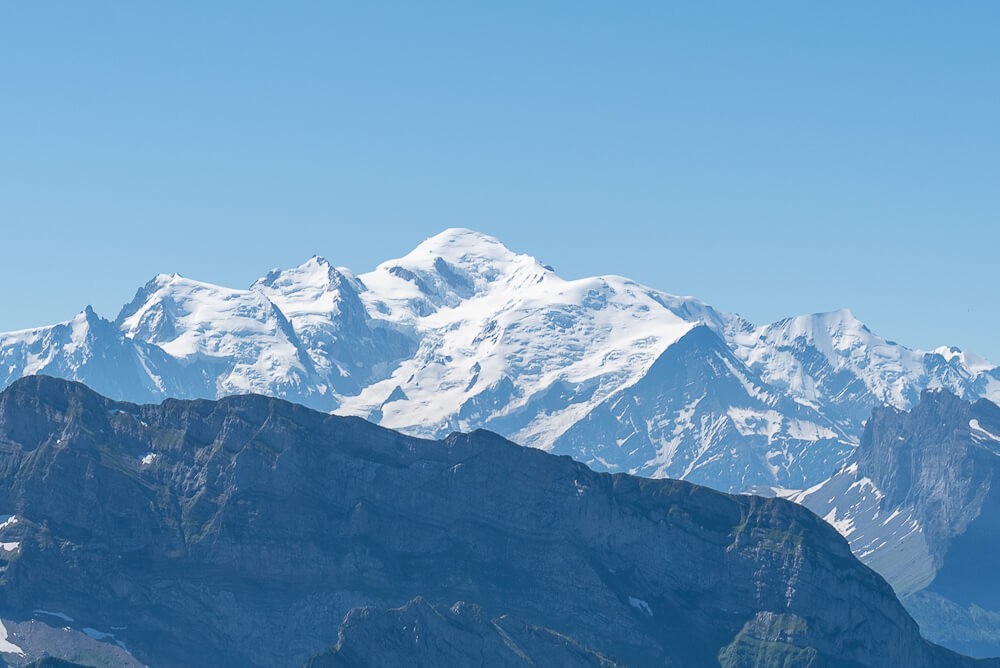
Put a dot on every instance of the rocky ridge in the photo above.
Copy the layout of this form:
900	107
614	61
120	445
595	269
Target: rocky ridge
244	531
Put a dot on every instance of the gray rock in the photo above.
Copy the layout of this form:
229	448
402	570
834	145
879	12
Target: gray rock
241	532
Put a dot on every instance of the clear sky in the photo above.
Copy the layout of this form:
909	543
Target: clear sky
769	158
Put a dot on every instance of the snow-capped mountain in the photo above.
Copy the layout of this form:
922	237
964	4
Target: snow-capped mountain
89	349
227	341
833	361
700	415
349	349
919	502
504	343
463	333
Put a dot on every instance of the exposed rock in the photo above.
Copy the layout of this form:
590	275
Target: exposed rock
921	505
241	532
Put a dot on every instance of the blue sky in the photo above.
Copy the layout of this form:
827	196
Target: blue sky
770	158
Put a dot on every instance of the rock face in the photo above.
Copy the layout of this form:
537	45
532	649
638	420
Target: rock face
420	634
242	532
463	333
920	504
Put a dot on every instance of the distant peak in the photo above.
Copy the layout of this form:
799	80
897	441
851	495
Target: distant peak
316	272
91	317
85	318
459	240
825	320
843	314
973	362
838	315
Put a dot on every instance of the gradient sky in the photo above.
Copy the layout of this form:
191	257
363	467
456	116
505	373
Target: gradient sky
769	158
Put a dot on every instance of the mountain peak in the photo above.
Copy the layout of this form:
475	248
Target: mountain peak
461	246
317	272
975	363
87	315
313	290
446	269
459	235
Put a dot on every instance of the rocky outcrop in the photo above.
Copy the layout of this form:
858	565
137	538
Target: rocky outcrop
421	634
920	504
242	532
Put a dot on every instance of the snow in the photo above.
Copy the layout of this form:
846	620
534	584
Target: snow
6	646
640	605
496	339
10	546
477	305
101	635
7	521
98	635
844	525
809	431
786	354
971	361
149	458
888	539
980	432
46	349
246	333
749	422
893	515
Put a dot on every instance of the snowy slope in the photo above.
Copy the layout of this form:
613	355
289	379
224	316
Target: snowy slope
887	536
228	341
832	360
915	483
86	348
347	347
701	415
919	503
464	333
506	344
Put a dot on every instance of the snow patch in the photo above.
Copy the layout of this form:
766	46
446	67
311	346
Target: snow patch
844	525
61	615
640	605
6	646
101	635
979	431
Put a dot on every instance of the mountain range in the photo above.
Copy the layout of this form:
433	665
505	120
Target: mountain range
918	503
250	531
462	333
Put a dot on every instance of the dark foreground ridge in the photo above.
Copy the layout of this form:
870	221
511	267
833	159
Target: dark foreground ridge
254	532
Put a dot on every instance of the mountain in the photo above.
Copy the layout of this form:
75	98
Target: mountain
463	333
349	349
251	531
92	350
833	361
699	392
920	503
